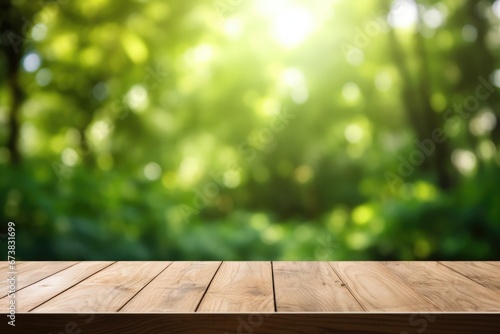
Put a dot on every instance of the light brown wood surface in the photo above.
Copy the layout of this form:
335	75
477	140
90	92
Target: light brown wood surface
311	287
4	266
240	287
178	289
106	291
261	287
43	290
28	273
450	291
380	290
485	273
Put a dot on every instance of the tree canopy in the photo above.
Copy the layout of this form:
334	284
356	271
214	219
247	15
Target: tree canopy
245	130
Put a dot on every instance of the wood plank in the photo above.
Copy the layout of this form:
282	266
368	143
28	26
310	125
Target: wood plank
240	287
485	273
378	289
41	291
311	287
31	272
447	289
106	291
248	287
177	289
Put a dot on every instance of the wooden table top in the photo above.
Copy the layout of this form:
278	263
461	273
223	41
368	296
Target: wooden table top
215	287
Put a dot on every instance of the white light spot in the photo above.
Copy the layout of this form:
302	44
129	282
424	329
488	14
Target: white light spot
271	8
383	81
353	133
31	62
483	123
351	92
189	171
203	53
39	32
232	179
152	171
433	18
200	54
299	95
101	129
496	8
292	77
43	77
464	161
137	98
403	14
69	157
232	28
270	107
469	33
295	81
355	56
292	26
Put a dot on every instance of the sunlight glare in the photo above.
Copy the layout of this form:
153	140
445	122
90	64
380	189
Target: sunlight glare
290	24
292	27
404	14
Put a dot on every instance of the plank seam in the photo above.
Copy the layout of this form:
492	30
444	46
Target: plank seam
24	287
348	288
71	286
469	278
208	286
274	288
145	285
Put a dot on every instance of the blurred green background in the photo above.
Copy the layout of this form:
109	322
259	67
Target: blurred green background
245	130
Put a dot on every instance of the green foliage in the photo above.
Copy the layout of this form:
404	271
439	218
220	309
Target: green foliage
250	130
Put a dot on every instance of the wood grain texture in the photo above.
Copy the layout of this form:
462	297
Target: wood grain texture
166	287
311	287
240	287
45	289
179	288
378	289
106	291
447	289
485	273
493	263
31	272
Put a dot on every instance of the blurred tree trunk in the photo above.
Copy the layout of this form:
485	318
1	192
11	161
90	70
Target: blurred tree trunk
432	120
12	47
416	99
407	91
88	106
486	62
